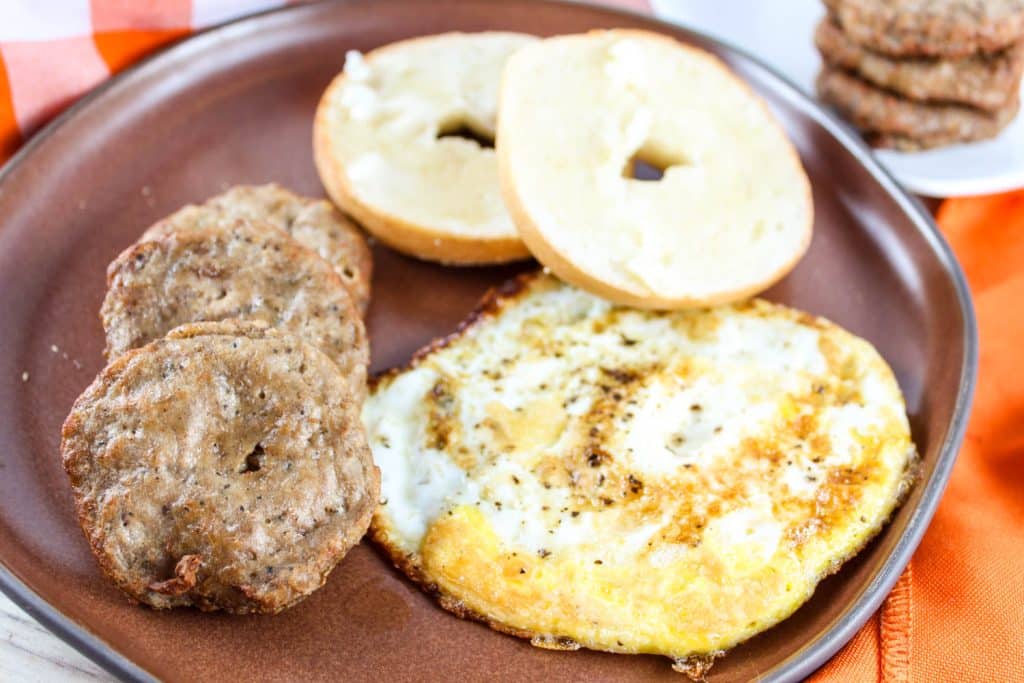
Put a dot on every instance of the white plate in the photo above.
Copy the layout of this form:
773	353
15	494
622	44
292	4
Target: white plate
782	34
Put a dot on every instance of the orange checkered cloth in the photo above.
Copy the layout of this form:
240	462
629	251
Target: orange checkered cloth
49	57
960	617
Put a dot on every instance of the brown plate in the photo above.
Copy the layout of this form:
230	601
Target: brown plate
235	105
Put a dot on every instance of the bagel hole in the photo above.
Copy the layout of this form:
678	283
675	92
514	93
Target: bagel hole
254	461
649	164
467	130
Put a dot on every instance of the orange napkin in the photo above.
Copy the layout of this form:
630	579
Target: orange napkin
959	615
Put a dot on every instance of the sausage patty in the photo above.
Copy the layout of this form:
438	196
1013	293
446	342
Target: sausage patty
892	121
988	82
931	28
314	223
239	270
224	466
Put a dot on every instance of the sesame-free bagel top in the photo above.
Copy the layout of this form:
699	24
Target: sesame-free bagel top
397	142
730	215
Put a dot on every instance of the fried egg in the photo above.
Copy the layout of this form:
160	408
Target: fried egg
584	474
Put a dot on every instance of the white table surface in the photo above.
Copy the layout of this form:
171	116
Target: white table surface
31	654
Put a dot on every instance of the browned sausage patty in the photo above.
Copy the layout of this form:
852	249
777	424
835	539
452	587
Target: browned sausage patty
239	270
314	223
889	120
931	28
224	466
985	81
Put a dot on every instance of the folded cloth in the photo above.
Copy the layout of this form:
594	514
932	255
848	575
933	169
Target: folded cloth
957	613
960	615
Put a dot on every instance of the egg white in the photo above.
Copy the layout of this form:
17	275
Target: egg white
635	481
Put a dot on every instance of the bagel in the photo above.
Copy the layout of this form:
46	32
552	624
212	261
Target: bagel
387	146
732	213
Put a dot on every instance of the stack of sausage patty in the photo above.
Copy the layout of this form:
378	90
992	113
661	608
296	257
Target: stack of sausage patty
916	74
219	459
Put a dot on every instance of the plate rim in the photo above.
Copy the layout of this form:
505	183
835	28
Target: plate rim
931	187
811	655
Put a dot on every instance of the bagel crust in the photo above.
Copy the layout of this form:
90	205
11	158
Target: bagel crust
732	213
224	466
385	146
